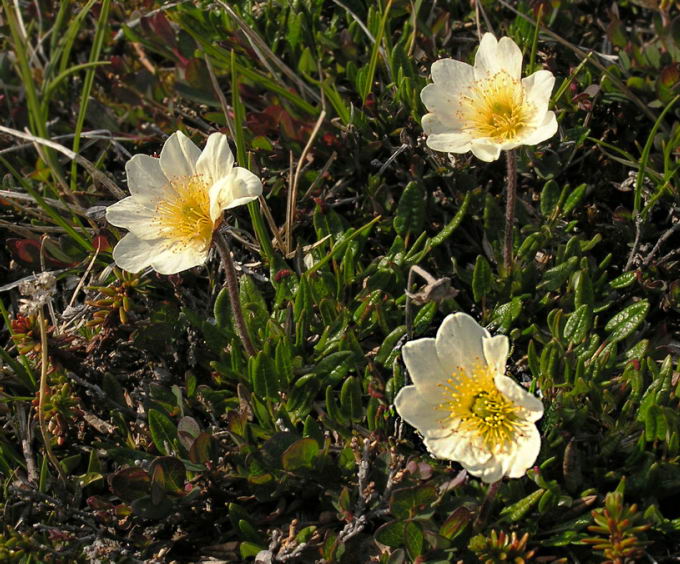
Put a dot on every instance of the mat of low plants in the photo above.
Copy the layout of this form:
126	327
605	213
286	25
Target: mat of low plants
340	281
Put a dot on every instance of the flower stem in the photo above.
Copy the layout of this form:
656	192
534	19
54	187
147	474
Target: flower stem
511	197
232	288
44	364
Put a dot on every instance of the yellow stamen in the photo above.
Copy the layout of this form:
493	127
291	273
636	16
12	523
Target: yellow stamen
472	400
184	212
495	107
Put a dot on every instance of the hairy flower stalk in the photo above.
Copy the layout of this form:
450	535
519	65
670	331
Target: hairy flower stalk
511	197
463	404
232	289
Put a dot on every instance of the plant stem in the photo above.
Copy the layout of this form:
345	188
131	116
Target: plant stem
232	288
44	364
511	197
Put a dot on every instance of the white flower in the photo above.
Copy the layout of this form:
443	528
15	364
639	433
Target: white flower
464	405
487	107
177	203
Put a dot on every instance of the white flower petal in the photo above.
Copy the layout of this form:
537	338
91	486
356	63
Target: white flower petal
545	130
525	454
437	123
495	56
519	396
489	473
136	215
145	177
452	74
449	142
460	448
509	57
239	187
246	187
538	88
443	102
485	58
496	352
427	374
178	156
485	150
459	343
174	259
134	254
420	413
216	160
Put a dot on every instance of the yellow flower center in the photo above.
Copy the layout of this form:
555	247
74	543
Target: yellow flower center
184	212
495	107
481	410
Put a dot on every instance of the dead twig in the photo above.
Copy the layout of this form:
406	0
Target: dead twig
292	192
660	242
636	244
25	437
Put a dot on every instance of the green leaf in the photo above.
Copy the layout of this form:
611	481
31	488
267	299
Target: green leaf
528	248
391	534
163	432
249	549
265	379
414	539
300	454
332	407
445	233
583	289
201	450
505	314
295	21
550	196
312	429
303	393
558	275
350	399
516	511
222	309
626	321
456	523
575	198
577	326
424	317
169	473
406	503
533	360
387	351
481	278
410	210
623	280
130	483
335	366
283	359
